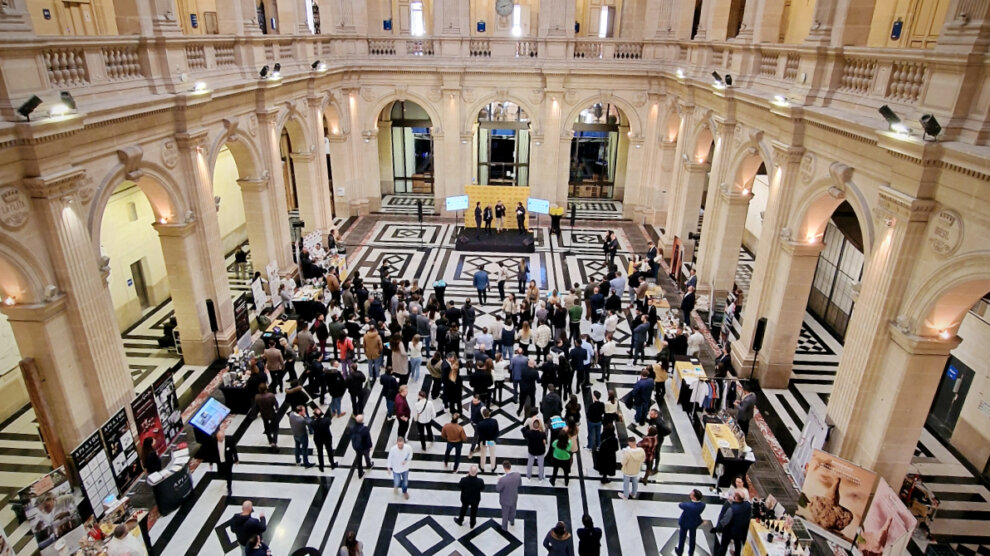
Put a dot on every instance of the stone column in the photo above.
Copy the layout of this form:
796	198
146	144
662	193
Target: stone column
660	192
14	19
634	177
563	175
190	288
237	17
275	206
308	190
716	23
321	188
703	22
768	272
821	23
194	171
259	217
722	232
46	334
340	167
748	20
765	22
147	17
872	374
92	326
684	210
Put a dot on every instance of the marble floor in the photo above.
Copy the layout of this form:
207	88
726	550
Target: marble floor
595	209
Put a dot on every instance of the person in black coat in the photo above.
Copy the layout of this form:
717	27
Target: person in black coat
152	463
607	450
322	437
687	304
689	522
355	387
733	523
362	444
589	538
471	487
225	466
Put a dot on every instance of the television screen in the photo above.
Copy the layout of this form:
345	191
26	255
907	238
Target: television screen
538	206
459	202
209	416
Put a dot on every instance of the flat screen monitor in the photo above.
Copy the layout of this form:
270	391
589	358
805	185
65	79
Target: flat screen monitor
209	416
538	206
460	202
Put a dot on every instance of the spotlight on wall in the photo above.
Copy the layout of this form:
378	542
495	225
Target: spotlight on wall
780	100
728	80
716	76
67	99
680	73
719	83
319	66
199	87
29	106
893	120
264	71
9	300
58	110
277	71
944	334
931	126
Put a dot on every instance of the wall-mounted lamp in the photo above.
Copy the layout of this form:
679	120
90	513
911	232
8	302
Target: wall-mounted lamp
163	220
780	100
58	110
679	73
319	66
812	238
9	300
894	122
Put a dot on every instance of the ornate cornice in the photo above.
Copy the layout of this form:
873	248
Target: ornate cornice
53	186
900	206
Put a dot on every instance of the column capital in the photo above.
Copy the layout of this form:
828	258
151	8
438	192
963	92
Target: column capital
733	197
35	312
801	249
174	230
253	184
922	345
902	207
696	167
64	183
306	156
267	116
314	101
192	140
786	154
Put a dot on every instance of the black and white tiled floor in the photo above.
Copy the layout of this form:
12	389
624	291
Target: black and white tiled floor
594	209
405	203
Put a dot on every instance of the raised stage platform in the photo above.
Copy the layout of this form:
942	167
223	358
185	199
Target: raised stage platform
509	241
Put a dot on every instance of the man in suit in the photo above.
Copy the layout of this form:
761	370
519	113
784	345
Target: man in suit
687	304
471	488
642	394
477	220
362	444
689	521
488	219
322	437
733	523
692	281
640	335
651	256
227	450
521	217
508	494
746	406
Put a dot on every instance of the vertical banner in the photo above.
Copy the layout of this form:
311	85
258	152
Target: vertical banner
95	473
242	322
168	406
834	496
888	525
812	438
258	292
50	507
149	424
120	449
274	282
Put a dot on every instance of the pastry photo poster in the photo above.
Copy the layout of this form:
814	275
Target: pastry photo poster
888	525
835	495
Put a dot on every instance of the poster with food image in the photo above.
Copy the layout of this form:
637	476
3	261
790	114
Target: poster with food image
834	496
887	527
50	507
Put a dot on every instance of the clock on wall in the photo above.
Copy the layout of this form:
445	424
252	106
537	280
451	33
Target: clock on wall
504	7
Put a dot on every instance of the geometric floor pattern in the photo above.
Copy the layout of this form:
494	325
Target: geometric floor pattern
317	509
405	203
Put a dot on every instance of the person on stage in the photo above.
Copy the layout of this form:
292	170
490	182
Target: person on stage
488	220
500	216
477	220
521	217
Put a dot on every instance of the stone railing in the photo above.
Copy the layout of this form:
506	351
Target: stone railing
849	78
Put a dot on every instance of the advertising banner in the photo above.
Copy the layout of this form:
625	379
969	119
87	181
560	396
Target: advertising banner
168	406
275	281
834	496
812	438
121	451
50	507
258	292
95	473
149	423
888	525
242	320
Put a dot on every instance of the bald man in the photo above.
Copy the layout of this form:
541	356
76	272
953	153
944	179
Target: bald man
246	525
471	488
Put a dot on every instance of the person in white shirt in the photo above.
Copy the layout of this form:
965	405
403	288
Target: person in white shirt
124	544
541	339
399	460
425	414
605	355
500	373
484	342
496	331
695	341
611	322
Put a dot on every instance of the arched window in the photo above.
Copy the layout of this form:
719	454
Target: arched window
594	151
502	145
412	148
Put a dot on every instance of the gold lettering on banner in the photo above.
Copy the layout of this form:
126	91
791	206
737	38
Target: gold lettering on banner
945	232
14	207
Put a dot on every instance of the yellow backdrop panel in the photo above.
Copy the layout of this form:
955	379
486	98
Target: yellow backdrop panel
491	194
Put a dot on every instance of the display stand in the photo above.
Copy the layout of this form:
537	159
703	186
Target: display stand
174	486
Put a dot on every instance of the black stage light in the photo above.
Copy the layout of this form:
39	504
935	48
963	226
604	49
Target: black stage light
264	71
717	76
277	68
889	115
728	80
316	64
931	125
29	106
68	100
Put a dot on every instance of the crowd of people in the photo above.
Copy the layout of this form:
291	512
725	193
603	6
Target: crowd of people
549	354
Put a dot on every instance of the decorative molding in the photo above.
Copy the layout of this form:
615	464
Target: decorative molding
130	157
252	124
808	163
836	192
169	152
434	94
192	140
786	234
945	232
467	95
900	206
62	184
15	207
536	96
230	125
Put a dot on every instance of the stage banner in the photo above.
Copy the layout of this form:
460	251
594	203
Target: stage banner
888	525
812	438
119	443
95	473
149	423
834	496
50	507
490	195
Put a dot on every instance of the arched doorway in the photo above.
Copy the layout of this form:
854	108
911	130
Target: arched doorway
288	172
407	154
502	144
598	150
838	272
230	214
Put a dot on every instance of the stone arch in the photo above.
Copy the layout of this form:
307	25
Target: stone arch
746	162
294	123
246	154
948	292
163	194
21	276
381	103
470	116
670	124
628	111
700	141
333	116
820	200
